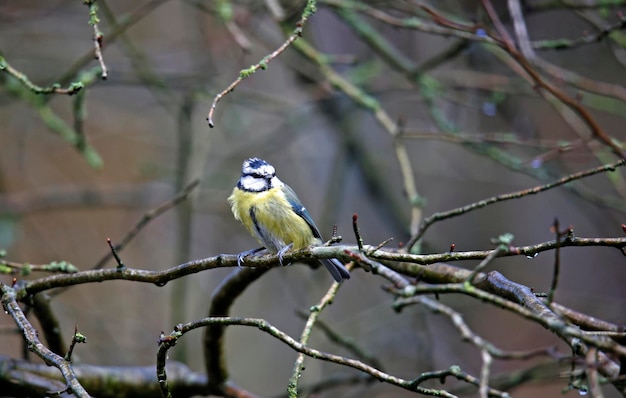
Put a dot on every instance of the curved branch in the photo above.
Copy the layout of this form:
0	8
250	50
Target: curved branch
29	333
261	324
221	301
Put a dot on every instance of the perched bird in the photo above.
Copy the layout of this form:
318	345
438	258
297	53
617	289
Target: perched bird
274	215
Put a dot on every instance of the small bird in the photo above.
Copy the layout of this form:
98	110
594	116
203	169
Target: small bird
274	215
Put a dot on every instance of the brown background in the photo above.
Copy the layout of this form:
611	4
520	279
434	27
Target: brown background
56	207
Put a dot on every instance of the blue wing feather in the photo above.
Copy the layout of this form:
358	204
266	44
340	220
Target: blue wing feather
336	268
300	210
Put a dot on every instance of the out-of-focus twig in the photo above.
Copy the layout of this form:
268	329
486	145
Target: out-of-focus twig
226	12
147	218
128	20
98	37
22	78
344	342
308	11
547	5
495	288
506	43
25	269
560	44
168	341
298	367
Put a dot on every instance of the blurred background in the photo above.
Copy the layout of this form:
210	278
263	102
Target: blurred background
473	127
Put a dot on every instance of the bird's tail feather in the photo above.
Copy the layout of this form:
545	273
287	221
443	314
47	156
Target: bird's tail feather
336	269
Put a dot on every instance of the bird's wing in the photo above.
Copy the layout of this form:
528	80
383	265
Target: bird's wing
300	210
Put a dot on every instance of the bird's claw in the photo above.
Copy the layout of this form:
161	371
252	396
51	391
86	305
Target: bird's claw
241	256
282	252
240	259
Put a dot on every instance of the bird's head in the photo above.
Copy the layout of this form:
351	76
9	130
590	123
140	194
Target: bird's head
257	175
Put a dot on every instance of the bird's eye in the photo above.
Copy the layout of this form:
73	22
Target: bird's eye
263	176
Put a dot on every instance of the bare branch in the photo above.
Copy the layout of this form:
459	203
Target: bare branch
29	333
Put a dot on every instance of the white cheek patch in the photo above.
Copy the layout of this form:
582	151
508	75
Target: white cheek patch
254	184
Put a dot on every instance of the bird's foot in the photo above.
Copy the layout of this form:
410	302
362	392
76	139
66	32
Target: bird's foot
282	252
242	255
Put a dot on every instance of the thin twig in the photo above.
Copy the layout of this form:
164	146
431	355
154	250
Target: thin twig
309	10
25	269
557	262
168	341
562	44
298	367
129	20
468	335
344	342
22	78
98	37
521	300
514	195
120	264
149	216
508	45
141	224
77	338
408	179
357	232
501	249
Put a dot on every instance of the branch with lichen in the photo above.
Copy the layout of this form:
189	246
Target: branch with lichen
25	269
29	333
298	367
24	80
98	37
395	267
169	340
54	122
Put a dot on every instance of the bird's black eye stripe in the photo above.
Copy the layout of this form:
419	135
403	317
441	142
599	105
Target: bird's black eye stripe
261	175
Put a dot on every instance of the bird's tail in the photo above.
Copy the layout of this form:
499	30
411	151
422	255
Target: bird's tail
336	269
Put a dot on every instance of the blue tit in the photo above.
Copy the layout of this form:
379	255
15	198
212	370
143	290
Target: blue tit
274	215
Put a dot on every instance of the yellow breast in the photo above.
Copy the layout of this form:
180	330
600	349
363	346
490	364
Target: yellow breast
277	225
